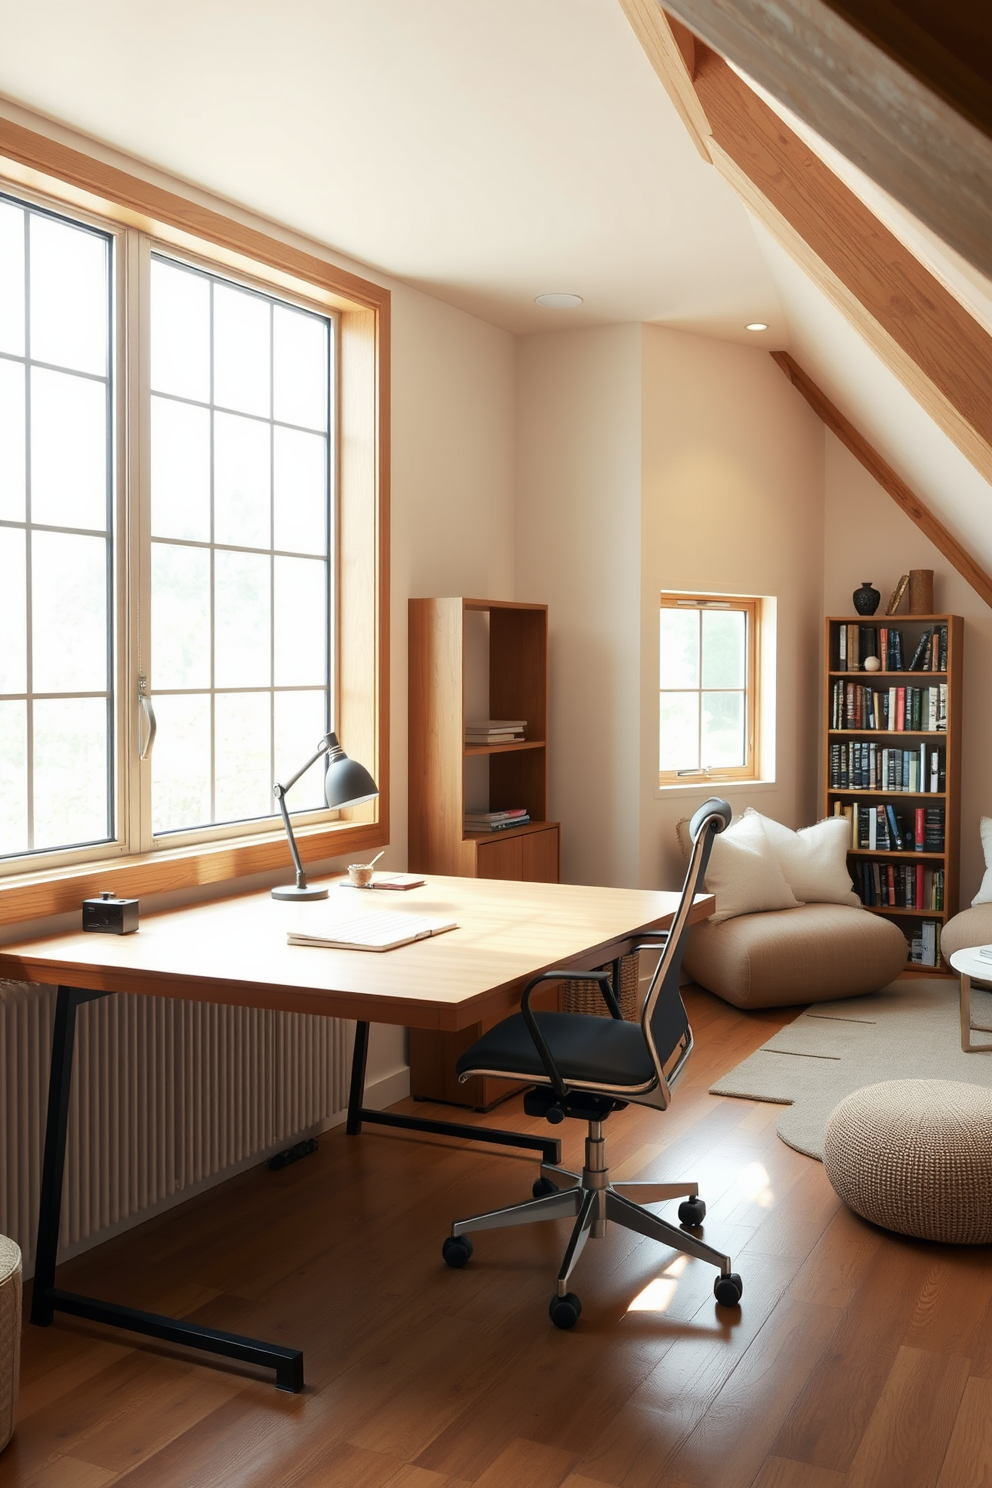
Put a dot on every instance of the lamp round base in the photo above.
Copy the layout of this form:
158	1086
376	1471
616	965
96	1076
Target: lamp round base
290	891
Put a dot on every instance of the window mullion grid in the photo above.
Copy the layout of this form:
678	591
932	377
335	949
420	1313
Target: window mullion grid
272	543
111	608
699	696
28	545
213	569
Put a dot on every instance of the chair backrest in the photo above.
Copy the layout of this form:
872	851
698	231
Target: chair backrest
664	1019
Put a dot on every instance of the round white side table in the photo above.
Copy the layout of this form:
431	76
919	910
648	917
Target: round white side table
971	966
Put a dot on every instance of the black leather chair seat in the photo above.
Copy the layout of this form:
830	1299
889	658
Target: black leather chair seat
588	1049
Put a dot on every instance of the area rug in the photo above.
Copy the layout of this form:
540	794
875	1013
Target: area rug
907	1031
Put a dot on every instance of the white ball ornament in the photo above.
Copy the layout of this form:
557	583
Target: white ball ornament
872	664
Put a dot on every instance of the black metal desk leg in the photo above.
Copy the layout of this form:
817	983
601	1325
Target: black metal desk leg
49	1299
548	1147
53	1167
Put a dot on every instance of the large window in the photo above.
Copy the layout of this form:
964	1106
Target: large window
708	670
57	714
181	482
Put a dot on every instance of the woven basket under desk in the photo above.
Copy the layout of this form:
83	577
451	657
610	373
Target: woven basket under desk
585	997
10	1335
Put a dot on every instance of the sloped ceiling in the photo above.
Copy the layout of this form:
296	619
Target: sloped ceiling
486	154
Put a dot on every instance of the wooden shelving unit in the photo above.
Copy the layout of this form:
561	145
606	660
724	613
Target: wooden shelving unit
441	676
949	740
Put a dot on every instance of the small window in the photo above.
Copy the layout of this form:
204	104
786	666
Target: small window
708	688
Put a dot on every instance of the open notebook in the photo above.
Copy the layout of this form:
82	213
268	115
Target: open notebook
375	931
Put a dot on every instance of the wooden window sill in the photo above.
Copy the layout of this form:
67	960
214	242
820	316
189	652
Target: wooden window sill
35	896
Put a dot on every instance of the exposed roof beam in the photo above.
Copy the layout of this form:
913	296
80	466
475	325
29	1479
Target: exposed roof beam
902	89
910	503
919	330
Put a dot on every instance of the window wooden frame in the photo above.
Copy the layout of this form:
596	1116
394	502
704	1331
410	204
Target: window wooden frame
751	607
33	161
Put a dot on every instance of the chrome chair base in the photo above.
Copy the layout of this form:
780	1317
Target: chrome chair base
592	1200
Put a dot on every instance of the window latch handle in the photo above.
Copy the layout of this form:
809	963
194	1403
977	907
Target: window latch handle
148	709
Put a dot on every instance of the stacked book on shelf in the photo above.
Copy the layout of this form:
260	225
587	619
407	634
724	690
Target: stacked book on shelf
890	709
867	766
886	828
495	821
924	948
900	886
495	730
856	642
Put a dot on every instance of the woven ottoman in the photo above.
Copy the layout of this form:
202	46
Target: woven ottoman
10	1335
915	1156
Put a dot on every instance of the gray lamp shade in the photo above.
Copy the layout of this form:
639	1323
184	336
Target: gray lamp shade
346	782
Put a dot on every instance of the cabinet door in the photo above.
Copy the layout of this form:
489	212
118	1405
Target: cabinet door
500	859
539	854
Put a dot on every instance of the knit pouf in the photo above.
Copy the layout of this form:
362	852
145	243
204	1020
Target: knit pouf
916	1156
10	1335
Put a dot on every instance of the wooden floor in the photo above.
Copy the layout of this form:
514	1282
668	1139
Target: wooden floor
857	1359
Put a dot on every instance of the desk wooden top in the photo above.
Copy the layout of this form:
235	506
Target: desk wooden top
234	950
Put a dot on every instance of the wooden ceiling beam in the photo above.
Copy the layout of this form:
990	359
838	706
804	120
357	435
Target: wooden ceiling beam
917	510
904	90
940	354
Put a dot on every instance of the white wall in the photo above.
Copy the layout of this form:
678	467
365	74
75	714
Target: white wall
651	459
578	551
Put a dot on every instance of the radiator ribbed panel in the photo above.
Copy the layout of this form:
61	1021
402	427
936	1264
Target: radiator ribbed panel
165	1095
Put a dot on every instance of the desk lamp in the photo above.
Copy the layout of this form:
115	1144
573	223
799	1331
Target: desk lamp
346	783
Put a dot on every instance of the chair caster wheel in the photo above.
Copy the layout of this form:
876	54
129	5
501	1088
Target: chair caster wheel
692	1212
457	1251
543	1186
564	1311
728	1290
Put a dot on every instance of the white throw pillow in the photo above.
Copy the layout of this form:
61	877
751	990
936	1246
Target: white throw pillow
984	895
743	871
814	859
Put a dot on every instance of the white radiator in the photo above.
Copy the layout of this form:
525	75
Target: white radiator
167	1097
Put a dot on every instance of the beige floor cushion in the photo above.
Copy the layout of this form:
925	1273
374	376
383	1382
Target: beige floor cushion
10	1335
915	1156
972	927
816	953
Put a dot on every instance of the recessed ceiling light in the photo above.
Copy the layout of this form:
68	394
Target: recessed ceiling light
756	325
558	301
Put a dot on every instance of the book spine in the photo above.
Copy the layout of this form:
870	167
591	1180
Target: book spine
918	832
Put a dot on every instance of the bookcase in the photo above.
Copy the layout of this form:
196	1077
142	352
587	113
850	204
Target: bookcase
489	657
892	765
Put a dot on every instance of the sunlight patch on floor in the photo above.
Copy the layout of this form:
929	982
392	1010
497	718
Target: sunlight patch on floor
657	1295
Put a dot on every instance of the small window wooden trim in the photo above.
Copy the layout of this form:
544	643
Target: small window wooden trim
752	607
33	160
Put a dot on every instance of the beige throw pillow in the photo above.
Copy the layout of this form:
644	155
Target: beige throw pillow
984	895
813	860
744	873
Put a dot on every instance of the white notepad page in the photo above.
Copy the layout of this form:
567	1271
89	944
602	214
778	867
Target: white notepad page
376	930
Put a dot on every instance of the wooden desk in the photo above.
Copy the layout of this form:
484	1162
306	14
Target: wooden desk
234	951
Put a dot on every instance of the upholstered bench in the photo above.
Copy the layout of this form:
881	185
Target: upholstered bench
815	953
915	1156
10	1335
788	927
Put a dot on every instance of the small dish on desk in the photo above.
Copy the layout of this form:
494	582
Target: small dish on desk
360	875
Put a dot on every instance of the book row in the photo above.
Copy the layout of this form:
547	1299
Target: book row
891	709
855	643
899	885
858	765
888	829
495	821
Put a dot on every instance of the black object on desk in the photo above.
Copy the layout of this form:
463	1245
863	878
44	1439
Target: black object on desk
111	915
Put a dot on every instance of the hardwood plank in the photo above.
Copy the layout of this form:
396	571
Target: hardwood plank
969	1452
528	1464
911	1426
831	1416
917	511
779	1472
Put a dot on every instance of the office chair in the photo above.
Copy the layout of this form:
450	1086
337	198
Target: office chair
585	1066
